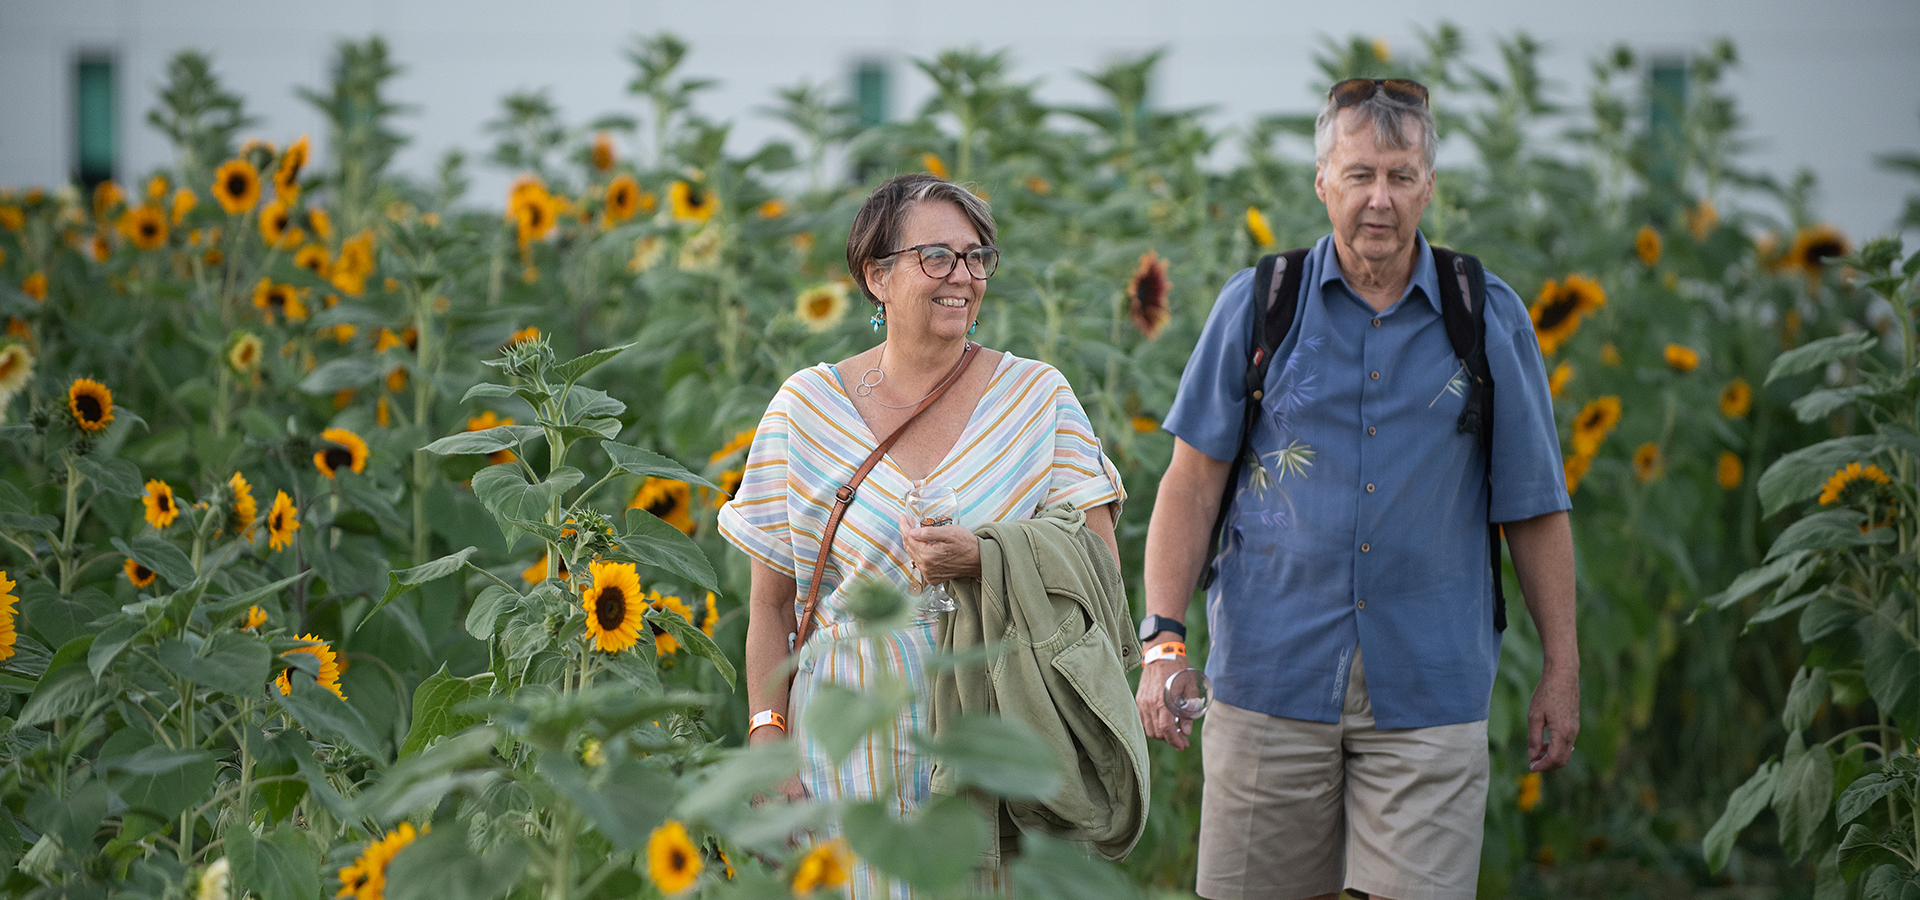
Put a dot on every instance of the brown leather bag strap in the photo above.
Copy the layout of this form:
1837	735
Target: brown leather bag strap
844	496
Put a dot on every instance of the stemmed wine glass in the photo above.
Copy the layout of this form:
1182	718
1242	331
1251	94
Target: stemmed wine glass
1188	693
934	505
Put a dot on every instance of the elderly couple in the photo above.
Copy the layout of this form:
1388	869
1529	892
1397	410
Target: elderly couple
1352	607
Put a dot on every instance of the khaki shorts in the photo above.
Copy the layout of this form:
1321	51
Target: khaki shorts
1285	800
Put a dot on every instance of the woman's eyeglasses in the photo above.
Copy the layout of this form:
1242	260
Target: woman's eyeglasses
938	260
1355	91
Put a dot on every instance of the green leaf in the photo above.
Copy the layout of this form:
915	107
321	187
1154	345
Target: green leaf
1817	354
1861	795
1752	581
1888	882
625	802
115	476
1798	475
838	717
58	619
161	556
336	375
586	403
327	716
238	603
1804	698
1052	869
1746	803
741	774
434	704
282	866
398	582
12	521
652	542
113	639
995	755
487	608
438	866
233	663
1862	850
63	691
597	429
1833	529
1802	794
1893	676
504	491
162	782
533	396
692	639
489	440
570	371
1826	615
464	761
933	850
648	464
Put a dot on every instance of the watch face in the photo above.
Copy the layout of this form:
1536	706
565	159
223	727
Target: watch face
1153	625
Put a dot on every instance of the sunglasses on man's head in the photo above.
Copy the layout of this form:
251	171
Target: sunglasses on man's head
1355	91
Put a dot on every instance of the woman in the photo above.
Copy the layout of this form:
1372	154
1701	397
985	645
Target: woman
1008	435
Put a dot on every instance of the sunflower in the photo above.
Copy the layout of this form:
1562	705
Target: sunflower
1682	358
741	440
396	379
602	154
1529	791
98	246
524	335
313	258
709	615
106	196
490	419
1736	399
614	606
1596	420
701	253
237	186
826	865
664	642
366	878
1648	464
271	298
161	508
690	202
329	677
91	404
931	162
286	178
1257	227
1853	482
242	509
243	353
1609	355
16	366
822	306
1148	295
35	286
256	617
157	187
145	226
1813	245
282	521
532	209
277	228
1575	467
1557	310
647	250
772	209
1702	219
12	218
1562	375
672	861
1039	185
536	573
729	484
670	500
345	449
320	222
184	200
1647	244
623	197
140	576
1730	472
354	264
7	600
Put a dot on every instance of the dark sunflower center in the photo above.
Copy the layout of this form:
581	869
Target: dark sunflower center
149	229
677	860
663	506
1558	310
536	217
696	197
820	306
278	521
141	572
236	185
89	407
280	222
610	611
1587	422
165	502
339	457
1820	250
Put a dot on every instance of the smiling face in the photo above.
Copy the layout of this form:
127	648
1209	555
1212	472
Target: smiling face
923	308
1374	195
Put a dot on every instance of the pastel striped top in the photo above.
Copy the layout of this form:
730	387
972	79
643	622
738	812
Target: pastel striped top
1028	445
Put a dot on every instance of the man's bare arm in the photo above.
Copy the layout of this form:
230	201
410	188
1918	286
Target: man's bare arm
1542	549
1183	514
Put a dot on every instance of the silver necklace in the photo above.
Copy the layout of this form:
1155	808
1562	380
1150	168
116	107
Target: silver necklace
865	387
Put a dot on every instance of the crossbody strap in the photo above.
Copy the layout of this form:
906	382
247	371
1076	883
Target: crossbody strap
843	497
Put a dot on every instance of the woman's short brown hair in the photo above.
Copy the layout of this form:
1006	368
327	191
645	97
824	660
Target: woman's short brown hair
877	226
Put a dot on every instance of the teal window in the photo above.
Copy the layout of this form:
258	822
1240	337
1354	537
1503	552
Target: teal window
96	133
870	94
1666	114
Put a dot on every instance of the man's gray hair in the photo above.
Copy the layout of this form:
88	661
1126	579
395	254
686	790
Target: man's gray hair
1389	119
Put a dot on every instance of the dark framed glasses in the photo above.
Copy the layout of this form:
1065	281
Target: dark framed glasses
1359	90
938	260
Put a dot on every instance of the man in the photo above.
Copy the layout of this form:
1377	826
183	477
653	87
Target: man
1353	649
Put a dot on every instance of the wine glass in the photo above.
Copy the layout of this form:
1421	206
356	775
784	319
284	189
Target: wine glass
1188	693
934	505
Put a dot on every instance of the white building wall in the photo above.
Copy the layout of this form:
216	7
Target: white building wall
1825	86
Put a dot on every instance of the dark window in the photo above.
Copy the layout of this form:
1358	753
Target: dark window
1666	113
870	93
96	139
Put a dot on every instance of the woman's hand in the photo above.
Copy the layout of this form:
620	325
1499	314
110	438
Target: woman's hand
791	789
942	552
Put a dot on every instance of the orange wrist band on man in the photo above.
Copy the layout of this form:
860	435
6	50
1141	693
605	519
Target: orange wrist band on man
1168	650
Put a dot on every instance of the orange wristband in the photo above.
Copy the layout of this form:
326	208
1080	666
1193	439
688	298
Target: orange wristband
1167	650
767	717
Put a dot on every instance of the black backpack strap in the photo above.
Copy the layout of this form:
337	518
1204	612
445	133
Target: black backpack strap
1463	307
1274	300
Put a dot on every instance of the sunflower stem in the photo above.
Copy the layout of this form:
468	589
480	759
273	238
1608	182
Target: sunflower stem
68	529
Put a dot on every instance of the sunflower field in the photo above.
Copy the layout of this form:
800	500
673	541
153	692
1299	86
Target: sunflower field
357	534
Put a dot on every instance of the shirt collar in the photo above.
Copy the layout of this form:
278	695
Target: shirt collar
1425	276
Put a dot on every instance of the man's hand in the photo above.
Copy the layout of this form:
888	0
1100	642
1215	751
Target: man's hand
1151	700
1553	720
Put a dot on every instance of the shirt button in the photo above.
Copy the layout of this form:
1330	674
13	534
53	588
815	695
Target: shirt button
1258	394
1366	548
1369	488
1375	376
1376	323
1363	604
1370	430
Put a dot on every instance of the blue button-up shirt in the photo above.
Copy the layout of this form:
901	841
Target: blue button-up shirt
1365	524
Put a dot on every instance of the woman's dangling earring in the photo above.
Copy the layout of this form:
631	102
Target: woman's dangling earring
879	317
974	327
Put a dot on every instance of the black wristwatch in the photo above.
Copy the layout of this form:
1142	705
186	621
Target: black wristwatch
1153	625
